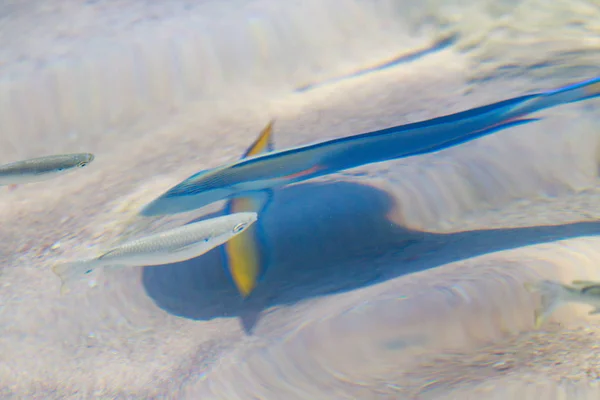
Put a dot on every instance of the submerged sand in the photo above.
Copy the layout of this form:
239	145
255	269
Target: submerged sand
397	280
335	317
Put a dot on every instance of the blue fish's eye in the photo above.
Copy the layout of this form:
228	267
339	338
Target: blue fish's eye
82	164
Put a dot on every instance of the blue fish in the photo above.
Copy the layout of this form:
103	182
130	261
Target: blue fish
268	170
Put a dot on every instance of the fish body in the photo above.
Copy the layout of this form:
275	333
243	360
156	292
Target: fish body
42	168
171	246
555	294
272	169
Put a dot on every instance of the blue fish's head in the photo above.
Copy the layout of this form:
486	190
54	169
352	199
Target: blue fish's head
195	192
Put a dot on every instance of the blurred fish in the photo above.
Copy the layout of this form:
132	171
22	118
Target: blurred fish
244	258
171	246
555	294
42	168
268	171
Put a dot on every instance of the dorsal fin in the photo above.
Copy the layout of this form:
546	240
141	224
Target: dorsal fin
264	142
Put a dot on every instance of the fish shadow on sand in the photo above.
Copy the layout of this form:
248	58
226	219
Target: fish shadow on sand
325	238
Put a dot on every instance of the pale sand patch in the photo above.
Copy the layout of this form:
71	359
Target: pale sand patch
113	340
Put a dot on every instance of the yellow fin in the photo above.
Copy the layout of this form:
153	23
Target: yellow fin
262	144
242	253
244	261
243	256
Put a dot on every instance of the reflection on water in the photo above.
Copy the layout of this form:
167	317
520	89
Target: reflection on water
403	279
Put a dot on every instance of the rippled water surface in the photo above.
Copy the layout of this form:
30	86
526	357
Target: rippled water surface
397	280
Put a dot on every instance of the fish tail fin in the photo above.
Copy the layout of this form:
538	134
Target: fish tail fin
553	294
70	272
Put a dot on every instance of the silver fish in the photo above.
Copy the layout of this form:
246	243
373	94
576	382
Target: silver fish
42	168
171	246
555	294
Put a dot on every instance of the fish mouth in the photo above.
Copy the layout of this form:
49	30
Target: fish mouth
86	160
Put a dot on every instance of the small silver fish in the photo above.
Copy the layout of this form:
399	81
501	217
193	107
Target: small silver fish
555	294
171	246
42	168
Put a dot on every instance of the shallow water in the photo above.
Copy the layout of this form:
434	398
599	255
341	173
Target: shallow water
398	280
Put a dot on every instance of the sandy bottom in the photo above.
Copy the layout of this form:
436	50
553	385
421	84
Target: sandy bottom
398	280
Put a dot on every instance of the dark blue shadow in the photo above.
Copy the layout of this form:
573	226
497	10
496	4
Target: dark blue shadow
328	238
